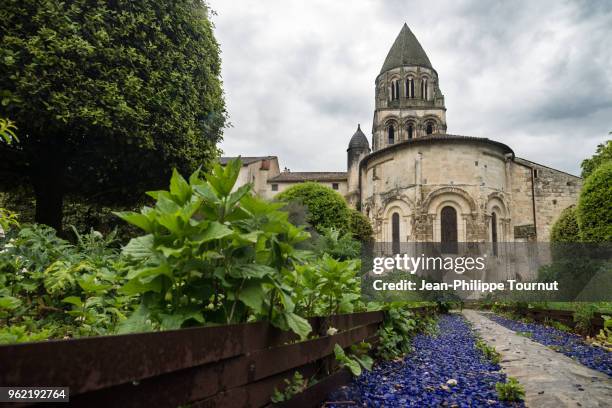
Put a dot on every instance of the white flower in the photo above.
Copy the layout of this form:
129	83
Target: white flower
452	382
331	331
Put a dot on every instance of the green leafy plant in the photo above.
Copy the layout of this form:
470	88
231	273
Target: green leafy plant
488	352
51	288
583	316
212	254
510	390
8	221
605	335
294	386
339	246
396	332
326	286
7	131
357	359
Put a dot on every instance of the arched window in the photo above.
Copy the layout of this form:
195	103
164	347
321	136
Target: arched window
429	128
424	88
395	89
448	230
391	134
494	232
410	131
410	88
395	232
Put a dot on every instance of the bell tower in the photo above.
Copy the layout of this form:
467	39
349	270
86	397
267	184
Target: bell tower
409	103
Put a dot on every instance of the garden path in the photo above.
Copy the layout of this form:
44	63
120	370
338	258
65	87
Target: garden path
550	378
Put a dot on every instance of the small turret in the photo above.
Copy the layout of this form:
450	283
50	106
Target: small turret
358	148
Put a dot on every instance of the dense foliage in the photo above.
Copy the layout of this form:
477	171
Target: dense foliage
565	229
103	93
212	255
326	207
594	211
50	288
360	226
602	155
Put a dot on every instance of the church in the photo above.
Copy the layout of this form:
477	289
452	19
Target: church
418	183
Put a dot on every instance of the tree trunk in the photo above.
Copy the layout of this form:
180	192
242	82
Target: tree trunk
48	179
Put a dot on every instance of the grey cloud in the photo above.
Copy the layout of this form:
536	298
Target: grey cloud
299	76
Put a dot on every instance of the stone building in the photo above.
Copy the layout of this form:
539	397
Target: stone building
417	183
267	179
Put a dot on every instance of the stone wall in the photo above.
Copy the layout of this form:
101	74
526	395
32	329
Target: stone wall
554	191
477	177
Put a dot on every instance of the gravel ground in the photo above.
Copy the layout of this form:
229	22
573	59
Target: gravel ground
569	344
425	377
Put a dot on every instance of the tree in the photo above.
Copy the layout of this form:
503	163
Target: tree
326	208
602	155
595	205
565	229
108	97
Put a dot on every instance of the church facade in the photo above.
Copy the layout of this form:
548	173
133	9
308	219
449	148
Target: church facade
418	183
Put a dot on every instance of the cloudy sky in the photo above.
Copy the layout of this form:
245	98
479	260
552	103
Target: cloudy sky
299	75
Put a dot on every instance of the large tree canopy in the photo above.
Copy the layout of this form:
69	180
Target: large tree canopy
107	96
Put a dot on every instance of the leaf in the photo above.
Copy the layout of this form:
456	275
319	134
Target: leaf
135	286
137	219
215	230
73	300
298	324
9	302
140	248
365	360
253	295
251	271
179	186
139	321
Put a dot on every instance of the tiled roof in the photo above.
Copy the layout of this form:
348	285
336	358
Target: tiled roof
298	176
246	160
406	51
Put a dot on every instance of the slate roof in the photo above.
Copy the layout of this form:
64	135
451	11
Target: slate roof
359	140
246	160
299	176
406	50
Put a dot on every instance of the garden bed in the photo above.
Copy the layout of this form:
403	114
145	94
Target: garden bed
570	344
426	376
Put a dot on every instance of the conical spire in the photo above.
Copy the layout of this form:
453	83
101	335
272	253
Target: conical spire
406	50
359	140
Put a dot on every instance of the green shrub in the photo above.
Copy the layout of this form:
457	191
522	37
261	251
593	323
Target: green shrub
583	315
565	229
360	226
510	391
326	207
595	206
